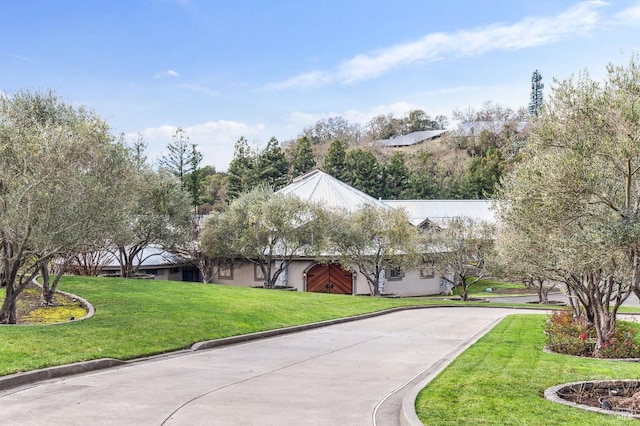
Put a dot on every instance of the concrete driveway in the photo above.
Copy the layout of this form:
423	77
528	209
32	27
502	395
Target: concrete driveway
354	373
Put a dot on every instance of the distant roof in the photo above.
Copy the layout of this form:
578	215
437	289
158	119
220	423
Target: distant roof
410	139
440	211
320	187
150	257
474	128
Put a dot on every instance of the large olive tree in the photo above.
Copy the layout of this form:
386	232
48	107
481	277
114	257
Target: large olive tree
267	229
375	240
60	175
578	192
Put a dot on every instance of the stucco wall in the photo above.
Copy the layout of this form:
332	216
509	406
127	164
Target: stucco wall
411	283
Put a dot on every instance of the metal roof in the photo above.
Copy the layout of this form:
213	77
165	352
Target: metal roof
410	139
320	187
440	211
149	258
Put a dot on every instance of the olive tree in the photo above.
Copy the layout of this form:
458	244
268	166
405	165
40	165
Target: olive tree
60	174
460	250
156	211
265	228
580	178
374	240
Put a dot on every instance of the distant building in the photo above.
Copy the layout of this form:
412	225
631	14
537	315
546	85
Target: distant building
411	139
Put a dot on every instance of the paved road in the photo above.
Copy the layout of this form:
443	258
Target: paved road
344	374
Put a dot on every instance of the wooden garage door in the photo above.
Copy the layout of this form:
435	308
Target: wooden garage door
329	278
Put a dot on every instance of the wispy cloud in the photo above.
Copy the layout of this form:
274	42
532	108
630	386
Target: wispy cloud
201	89
310	79
578	20
167	73
23	58
630	16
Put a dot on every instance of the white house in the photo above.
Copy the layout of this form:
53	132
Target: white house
305	274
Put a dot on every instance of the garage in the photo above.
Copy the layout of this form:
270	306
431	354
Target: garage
329	278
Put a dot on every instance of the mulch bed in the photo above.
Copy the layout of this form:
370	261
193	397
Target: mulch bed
617	396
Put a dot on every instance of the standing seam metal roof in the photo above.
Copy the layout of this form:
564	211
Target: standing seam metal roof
320	187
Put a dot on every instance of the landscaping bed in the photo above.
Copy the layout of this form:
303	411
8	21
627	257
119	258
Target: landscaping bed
617	397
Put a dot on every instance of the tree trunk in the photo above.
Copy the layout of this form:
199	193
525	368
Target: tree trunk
8	313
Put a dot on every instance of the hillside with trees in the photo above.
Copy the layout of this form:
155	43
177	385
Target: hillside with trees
466	162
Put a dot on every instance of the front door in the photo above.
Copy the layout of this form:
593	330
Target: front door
329	278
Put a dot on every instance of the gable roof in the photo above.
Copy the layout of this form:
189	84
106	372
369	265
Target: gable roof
440	211
410	139
320	187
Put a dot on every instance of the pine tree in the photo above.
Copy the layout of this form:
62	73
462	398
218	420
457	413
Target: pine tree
364	172
396	178
272	165
303	159
335	162
241	170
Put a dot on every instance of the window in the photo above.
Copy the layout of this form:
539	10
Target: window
151	271
427	272
395	274
257	273
225	271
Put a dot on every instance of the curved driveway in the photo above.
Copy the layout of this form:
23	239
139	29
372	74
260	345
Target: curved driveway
354	373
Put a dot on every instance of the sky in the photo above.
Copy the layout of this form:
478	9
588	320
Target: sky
222	69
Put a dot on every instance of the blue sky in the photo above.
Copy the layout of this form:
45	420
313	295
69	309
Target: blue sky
221	69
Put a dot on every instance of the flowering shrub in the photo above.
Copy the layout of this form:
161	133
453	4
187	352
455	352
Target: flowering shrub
569	336
624	343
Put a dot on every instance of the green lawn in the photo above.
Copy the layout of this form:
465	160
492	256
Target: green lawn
501	379
135	318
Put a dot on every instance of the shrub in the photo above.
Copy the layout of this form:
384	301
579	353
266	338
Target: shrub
571	336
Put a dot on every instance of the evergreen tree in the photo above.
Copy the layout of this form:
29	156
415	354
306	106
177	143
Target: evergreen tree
195	177
423	182
396	178
364	172
272	165
183	161
483	175
241	170
177	160
335	162
303	159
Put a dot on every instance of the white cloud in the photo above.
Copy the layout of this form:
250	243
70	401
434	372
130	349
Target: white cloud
629	16
311	79
215	140
167	73
577	20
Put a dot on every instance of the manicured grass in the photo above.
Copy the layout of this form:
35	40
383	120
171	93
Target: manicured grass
479	289
501	379
136	318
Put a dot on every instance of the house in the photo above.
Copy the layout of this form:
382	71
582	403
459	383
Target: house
426	213
410	139
306	274
154	263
